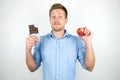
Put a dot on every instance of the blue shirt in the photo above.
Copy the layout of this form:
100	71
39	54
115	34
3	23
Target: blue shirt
59	56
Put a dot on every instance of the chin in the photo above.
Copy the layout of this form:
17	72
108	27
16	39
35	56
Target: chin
58	29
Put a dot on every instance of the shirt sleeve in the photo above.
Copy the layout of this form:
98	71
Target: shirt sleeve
81	51
37	55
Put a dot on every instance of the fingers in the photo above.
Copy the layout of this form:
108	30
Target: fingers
87	32
32	40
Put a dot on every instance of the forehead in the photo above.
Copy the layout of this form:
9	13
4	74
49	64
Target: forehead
57	11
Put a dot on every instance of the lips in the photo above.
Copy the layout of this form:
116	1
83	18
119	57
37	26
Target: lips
56	23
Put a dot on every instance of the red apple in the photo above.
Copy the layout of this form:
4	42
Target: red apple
80	31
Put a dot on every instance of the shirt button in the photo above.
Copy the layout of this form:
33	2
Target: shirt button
56	77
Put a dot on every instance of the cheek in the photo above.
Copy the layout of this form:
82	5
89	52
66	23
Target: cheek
63	22
51	22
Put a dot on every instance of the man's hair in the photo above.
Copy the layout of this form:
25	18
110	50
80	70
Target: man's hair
58	6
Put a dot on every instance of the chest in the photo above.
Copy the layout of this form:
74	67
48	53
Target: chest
64	50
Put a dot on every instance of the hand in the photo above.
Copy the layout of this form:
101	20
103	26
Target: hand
30	42
88	34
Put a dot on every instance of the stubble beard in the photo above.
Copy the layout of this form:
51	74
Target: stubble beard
58	29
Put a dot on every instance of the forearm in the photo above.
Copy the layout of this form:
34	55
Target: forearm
30	61
89	58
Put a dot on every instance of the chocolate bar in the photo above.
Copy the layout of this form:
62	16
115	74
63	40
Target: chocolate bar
33	29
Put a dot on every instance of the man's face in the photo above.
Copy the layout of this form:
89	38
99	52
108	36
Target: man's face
58	19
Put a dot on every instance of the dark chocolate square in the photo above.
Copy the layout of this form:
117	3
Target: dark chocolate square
33	29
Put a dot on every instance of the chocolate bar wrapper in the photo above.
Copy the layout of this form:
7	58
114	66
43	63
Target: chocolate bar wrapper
33	31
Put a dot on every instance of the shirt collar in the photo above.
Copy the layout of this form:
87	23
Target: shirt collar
65	35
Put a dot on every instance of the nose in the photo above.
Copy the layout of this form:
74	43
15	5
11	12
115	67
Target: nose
56	18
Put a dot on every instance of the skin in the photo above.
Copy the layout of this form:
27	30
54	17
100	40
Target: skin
57	22
90	57
30	42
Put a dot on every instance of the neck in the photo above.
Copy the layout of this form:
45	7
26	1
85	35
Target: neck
58	34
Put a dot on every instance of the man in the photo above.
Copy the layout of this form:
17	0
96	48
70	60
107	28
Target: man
58	50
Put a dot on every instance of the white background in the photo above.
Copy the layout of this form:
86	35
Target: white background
101	16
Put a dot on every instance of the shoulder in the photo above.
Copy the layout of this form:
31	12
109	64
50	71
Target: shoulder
44	36
75	38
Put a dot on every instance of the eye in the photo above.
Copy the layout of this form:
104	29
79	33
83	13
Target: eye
60	17
53	17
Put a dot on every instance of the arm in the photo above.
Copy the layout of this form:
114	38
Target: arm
30	42
89	57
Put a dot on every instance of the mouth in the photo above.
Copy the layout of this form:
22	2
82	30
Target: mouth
56	24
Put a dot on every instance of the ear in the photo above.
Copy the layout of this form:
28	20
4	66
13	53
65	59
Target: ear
66	20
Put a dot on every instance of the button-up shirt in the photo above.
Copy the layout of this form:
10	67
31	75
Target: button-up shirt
59	56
